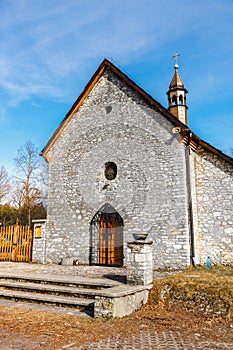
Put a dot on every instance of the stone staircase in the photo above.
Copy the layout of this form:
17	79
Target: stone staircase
98	297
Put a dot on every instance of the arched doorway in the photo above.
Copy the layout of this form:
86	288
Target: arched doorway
107	237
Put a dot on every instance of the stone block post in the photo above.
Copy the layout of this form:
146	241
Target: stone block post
139	262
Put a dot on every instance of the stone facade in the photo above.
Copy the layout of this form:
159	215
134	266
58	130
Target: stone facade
116	123
213	198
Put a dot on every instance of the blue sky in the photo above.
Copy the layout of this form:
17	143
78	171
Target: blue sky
50	49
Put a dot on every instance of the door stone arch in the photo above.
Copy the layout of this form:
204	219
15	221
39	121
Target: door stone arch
106	231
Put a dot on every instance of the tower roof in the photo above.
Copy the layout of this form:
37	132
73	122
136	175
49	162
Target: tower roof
176	80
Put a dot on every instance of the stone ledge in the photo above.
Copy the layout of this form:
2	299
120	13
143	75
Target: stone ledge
140	242
120	301
122	290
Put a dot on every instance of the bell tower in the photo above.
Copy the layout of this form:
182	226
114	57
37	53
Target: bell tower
177	95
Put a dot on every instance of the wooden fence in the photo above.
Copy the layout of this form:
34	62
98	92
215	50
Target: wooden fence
16	243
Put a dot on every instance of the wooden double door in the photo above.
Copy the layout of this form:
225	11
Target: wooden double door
109	237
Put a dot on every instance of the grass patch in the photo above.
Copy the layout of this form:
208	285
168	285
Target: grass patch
207	291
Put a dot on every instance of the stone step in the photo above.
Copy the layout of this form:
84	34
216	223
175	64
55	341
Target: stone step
75	281
99	297
88	293
80	303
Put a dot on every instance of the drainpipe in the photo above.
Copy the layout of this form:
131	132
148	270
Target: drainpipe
190	206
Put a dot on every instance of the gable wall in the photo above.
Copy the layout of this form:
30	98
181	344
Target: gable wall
213	208
150	188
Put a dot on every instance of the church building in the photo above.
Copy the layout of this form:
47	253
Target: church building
121	165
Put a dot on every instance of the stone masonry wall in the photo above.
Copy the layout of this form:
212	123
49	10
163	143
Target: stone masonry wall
213	207
139	262
115	124
38	247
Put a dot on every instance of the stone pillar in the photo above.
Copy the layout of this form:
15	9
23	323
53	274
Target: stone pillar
139	262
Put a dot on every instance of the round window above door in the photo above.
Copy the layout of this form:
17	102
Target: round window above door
110	170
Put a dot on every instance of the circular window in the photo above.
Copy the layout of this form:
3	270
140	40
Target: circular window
110	170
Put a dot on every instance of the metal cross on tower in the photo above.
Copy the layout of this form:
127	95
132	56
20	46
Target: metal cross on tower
176	57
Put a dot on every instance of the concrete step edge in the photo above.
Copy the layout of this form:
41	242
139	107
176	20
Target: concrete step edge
48	288
45	298
61	279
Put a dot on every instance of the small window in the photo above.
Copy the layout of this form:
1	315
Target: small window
180	100
38	233
110	170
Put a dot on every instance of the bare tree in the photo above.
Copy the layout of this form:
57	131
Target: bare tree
27	182
4	183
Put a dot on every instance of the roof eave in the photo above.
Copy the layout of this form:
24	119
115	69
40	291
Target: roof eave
100	71
153	103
